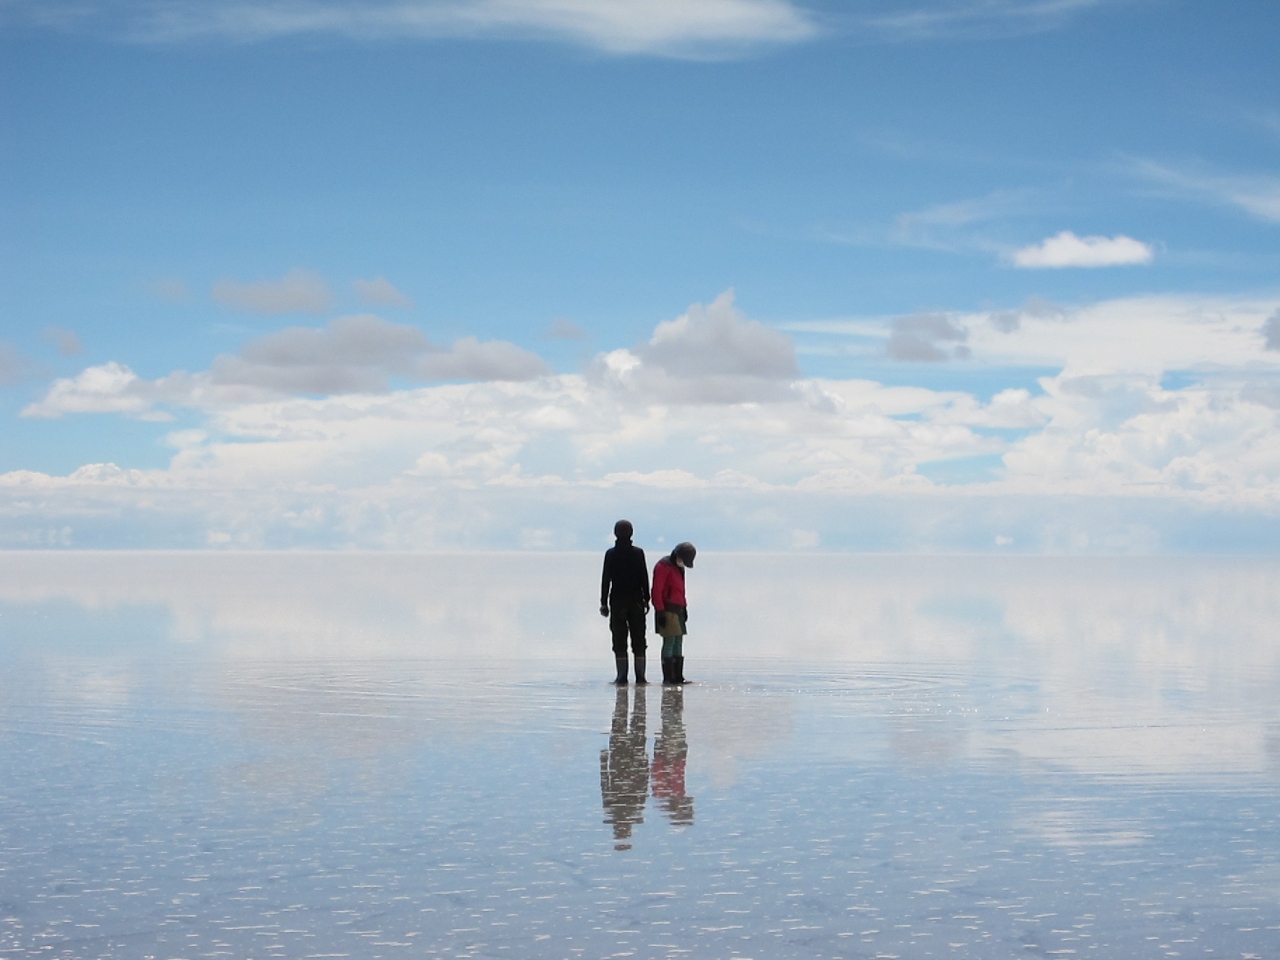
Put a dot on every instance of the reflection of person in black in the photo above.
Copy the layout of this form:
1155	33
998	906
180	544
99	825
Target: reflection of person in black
624	599
624	769
670	751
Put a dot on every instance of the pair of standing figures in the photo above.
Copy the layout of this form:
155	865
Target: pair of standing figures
625	599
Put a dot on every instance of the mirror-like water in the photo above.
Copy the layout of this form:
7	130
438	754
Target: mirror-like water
323	756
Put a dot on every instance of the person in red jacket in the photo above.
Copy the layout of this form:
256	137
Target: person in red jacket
671	613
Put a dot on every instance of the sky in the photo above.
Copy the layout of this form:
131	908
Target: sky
920	276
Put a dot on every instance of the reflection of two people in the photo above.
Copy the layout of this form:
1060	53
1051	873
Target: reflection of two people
625	770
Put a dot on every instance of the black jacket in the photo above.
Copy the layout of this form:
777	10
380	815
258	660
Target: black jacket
625	578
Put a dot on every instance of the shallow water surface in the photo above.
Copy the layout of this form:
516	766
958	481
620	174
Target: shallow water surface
346	756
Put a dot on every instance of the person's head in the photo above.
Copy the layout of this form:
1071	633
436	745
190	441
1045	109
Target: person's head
623	530
684	553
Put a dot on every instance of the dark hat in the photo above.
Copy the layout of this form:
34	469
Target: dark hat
686	551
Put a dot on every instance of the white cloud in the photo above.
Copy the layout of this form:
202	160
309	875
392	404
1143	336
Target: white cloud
298	291
1125	434
655	27
109	388
355	354
710	354
417	466
1009	409
1065	249
1147	335
381	292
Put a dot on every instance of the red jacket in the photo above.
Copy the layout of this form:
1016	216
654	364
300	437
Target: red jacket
668	585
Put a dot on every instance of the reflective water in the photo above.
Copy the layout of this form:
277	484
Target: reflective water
325	756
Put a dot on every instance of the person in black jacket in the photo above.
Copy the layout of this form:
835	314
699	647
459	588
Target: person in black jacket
624	599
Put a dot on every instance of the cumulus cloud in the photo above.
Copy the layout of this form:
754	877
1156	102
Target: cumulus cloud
362	353
405	466
710	354
654	27
380	292
1008	409
109	388
1035	308
1271	332
717	340
355	354
350	354
1147	335
298	291
470	359
1065	249
919	338
1125	434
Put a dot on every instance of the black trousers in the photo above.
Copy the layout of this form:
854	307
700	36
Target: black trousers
624	619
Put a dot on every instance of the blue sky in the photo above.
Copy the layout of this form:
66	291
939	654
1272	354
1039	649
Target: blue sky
1073	205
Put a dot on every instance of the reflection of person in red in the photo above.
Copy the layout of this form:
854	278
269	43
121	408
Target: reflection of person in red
624	769
670	751
671	614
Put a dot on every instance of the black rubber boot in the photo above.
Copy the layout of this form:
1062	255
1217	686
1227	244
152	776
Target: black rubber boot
640	670
668	670
678	670
622	670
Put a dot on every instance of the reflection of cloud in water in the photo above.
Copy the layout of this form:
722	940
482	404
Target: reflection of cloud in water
928	741
333	605
911	752
727	726
1078	823
1117	666
350	716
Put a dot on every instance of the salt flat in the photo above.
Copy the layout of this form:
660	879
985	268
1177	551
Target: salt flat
368	755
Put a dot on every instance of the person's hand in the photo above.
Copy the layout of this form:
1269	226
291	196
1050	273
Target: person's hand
646	608
604	609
